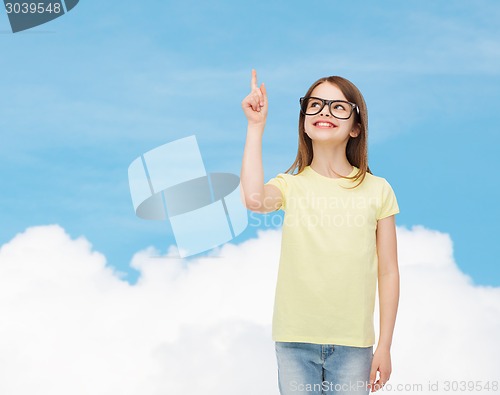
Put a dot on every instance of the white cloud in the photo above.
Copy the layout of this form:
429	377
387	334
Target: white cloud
69	324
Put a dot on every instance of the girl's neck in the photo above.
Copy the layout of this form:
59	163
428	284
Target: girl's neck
328	159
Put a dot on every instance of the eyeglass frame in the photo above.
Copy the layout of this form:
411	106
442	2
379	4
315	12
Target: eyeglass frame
329	103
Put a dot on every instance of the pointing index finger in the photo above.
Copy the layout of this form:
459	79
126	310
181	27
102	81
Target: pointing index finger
253	85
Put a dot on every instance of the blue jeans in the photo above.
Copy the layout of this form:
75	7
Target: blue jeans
317	369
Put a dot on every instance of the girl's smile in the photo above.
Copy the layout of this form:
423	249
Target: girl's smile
324	124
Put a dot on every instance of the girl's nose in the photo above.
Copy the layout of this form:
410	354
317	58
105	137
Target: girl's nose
325	111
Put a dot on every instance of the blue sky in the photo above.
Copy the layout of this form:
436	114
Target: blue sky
83	96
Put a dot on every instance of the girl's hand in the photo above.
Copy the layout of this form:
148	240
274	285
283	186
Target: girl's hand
381	363
255	104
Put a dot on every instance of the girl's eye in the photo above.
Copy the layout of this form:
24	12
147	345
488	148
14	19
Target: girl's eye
314	104
339	107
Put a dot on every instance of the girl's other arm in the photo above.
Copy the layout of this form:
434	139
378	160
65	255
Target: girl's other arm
255	195
388	285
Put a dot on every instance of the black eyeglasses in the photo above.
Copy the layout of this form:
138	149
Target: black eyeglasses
340	109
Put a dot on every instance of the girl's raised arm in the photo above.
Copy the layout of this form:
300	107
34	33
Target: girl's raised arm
255	195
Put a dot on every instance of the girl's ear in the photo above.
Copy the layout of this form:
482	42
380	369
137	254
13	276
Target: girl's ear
355	130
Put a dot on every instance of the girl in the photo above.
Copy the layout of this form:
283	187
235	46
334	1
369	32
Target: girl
338	239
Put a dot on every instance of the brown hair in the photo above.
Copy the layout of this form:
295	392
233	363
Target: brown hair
357	147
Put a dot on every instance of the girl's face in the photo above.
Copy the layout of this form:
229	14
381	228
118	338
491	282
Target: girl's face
324	126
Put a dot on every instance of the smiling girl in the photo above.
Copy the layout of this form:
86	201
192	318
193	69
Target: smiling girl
338	240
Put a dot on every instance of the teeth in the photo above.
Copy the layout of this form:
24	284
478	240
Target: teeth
326	124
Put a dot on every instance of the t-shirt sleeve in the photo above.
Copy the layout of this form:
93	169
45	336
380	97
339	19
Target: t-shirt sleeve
280	181
389	204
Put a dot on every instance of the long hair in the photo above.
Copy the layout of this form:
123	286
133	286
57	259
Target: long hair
357	147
